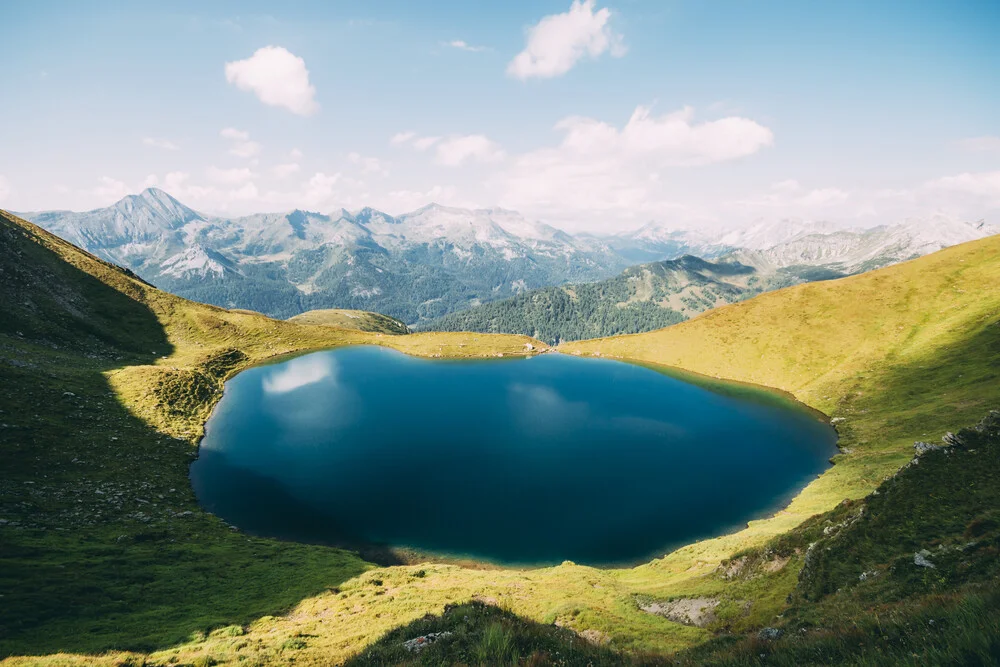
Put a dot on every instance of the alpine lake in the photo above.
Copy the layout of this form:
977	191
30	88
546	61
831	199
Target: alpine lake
515	461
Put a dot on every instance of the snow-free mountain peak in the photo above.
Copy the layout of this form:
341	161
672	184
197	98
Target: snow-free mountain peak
155	204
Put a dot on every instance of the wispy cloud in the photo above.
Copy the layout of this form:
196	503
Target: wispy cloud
462	45
401	138
980	144
455	151
240	145
165	144
229	176
285	170
369	165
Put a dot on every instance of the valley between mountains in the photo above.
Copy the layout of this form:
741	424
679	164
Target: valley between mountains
106	382
427	264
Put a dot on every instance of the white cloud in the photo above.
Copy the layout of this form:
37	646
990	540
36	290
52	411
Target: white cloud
247	192
981	144
402	201
175	180
423	143
165	144
369	165
234	134
285	170
598	167
790	198
462	45
557	42
4	188
240	145
413	139
669	140
456	150
295	154
277	77
233	176
982	184
401	138
319	191
110	190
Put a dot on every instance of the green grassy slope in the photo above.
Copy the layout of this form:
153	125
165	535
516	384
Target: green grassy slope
908	576
92	557
352	319
104	385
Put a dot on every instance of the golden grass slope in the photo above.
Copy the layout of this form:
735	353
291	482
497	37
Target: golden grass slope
902	354
361	320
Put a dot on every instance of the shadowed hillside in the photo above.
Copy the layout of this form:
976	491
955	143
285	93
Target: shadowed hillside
104	385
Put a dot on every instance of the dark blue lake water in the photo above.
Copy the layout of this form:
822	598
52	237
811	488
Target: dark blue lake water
533	460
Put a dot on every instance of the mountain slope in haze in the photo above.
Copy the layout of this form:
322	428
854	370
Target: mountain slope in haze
641	298
414	266
655	295
807	247
805	250
436	260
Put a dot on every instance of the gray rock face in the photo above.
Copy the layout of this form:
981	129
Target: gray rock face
924	447
699	612
953	440
418	644
922	559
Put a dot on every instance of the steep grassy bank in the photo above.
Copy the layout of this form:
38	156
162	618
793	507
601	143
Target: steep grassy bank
94	559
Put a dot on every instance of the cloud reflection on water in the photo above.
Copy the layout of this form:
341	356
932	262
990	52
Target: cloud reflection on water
298	373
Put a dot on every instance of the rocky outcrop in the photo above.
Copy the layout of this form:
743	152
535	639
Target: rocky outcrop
418	644
699	612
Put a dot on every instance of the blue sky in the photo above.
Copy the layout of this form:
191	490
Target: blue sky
602	116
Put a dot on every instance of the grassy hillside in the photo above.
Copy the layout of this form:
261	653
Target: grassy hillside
105	383
352	319
641	298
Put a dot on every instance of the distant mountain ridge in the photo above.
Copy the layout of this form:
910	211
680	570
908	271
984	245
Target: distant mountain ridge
654	295
641	298
436	260
414	266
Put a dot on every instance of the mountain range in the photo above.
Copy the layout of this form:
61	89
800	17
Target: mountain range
641	298
437	260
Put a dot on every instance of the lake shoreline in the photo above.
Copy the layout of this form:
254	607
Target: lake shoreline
398	553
